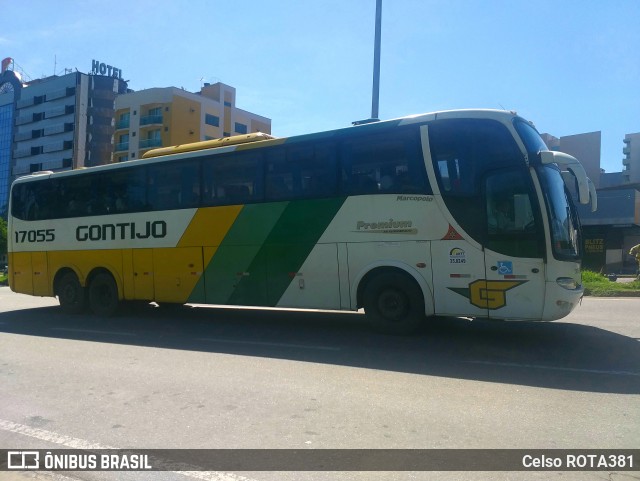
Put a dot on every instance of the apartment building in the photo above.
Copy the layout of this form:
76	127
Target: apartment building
65	122
160	117
631	160
584	147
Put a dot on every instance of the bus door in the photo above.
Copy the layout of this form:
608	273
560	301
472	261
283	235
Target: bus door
514	250
143	274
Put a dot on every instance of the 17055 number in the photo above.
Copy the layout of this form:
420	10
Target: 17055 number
41	235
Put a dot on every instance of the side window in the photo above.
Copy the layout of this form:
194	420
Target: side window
390	162
74	196
278	176
301	172
512	227
26	203
233	179
318	172
174	185
462	150
125	191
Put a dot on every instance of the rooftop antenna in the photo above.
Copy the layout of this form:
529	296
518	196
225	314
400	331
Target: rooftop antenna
375	96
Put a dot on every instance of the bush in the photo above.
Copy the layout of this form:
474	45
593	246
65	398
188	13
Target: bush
590	277
596	284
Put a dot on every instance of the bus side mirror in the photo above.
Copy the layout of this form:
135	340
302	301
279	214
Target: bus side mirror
593	195
571	164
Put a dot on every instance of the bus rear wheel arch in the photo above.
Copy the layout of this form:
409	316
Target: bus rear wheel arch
71	295
393	301
103	294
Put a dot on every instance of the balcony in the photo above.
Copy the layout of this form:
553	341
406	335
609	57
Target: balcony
626	150
122	124
122	146
151	120
149	143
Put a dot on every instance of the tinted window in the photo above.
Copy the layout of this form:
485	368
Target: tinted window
565	231
123	191
300	172
174	185
388	162
530	137
462	150
232	179
101	193
513	226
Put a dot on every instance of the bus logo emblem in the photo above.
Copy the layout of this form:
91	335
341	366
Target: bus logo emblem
487	294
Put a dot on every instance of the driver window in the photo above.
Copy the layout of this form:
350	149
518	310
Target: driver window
512	227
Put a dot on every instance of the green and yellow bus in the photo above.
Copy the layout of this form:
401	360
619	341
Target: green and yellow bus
453	213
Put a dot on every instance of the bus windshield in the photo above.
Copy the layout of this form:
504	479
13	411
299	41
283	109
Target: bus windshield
562	220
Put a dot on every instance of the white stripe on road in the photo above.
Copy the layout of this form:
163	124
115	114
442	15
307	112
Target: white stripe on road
93	331
53	476
555	368
50	436
77	443
271	344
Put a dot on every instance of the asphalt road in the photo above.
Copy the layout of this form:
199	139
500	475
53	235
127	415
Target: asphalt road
204	377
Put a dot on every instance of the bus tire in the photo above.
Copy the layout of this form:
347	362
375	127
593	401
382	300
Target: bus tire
71	295
394	303
103	295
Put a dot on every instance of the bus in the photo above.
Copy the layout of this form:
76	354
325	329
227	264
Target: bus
462	213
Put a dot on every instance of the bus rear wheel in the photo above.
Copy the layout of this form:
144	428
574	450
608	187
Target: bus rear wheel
394	303
103	295
71	295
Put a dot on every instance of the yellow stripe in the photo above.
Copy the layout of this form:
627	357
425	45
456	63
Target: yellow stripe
209	226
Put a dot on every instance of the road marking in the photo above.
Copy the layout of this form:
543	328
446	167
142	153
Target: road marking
50	436
555	368
94	331
271	344
54	476
77	443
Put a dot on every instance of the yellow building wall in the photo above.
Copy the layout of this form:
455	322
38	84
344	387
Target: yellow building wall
183	120
118	156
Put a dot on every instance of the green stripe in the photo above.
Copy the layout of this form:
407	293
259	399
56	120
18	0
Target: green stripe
285	250
236	252
265	245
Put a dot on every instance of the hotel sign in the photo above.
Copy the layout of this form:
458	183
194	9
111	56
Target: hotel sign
99	68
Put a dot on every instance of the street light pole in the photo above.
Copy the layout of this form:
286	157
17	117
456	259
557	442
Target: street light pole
376	63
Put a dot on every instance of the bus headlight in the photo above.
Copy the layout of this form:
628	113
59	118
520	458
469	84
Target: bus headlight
567	283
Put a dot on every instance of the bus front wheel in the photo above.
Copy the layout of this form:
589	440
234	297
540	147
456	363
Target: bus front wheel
103	295
71	295
394	303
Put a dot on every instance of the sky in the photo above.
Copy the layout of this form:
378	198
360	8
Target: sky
570	66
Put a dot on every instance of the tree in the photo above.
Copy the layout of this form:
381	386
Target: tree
3	237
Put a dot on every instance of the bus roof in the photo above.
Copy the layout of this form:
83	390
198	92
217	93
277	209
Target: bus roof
255	140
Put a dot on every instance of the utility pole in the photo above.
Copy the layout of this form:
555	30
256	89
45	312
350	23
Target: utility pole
375	96
376	63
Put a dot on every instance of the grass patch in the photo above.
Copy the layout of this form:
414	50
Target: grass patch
3	279
599	285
